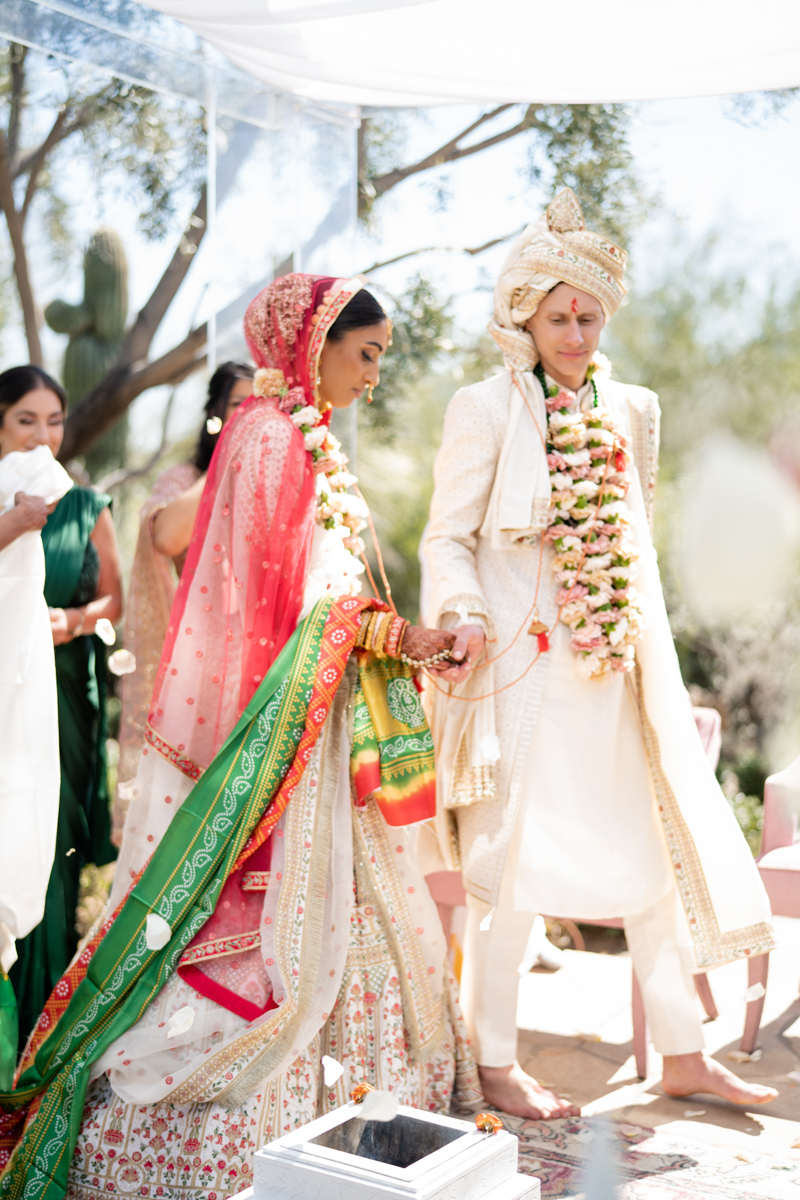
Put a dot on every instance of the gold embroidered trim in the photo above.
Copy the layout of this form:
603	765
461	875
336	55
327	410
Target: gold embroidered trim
470	784
255	881
221	948
469	600
711	946
185	764
519	353
644	426
539	510
423	1016
342	292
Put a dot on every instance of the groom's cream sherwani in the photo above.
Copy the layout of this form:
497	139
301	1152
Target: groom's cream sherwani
602	802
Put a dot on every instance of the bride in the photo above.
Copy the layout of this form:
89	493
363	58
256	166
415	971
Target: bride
266	909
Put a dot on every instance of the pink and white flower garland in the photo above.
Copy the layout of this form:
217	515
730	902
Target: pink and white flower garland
337	508
591	532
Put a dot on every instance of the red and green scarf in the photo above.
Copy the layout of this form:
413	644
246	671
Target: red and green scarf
392	755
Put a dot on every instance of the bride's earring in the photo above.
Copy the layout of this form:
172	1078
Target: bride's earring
370	397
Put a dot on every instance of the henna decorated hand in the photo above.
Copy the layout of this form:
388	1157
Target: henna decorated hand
469	644
420	644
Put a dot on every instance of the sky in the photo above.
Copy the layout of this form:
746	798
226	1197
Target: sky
710	172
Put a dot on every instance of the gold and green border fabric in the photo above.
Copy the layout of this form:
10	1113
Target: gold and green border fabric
392	754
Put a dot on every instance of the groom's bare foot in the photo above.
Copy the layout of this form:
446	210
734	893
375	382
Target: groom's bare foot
685	1074
515	1093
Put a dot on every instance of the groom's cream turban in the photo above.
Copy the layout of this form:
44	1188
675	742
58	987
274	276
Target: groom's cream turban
556	249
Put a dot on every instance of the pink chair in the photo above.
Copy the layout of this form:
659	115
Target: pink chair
779	868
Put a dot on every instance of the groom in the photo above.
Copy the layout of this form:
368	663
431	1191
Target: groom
570	775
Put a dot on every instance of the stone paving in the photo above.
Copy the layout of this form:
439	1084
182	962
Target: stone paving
575	1033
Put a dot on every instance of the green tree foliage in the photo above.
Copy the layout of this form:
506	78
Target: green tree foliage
717	354
584	146
720	357
399	440
421	328
53	115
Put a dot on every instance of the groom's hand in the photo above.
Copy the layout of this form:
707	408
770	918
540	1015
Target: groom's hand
467	649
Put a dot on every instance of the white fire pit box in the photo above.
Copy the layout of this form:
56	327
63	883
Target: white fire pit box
417	1156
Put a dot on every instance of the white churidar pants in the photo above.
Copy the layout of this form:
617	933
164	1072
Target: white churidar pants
490	979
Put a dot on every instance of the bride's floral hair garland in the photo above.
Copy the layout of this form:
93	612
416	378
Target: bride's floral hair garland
590	527
337	508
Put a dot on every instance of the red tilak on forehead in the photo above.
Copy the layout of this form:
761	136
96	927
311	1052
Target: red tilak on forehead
574	304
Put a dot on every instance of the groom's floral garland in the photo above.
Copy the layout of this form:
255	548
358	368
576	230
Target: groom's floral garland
591	530
336	507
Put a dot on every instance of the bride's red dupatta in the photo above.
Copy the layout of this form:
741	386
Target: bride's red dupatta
238	602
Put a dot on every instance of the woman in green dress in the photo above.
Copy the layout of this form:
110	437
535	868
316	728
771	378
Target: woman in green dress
83	585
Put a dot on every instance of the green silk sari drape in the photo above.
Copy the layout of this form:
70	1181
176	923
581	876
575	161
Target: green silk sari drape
83	815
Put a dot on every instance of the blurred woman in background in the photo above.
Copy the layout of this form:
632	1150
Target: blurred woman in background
166	521
83	586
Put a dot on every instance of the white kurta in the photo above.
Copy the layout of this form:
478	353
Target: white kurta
31	775
590	843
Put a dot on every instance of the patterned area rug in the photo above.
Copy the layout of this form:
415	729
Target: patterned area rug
649	1164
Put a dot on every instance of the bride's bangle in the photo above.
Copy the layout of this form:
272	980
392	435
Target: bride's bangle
394	637
78	630
382	627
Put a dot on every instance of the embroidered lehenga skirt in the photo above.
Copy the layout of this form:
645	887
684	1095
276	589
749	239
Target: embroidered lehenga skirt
393	1019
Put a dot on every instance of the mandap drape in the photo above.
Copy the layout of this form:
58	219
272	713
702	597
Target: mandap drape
415	52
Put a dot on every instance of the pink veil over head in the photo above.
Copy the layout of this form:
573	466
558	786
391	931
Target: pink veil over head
241	590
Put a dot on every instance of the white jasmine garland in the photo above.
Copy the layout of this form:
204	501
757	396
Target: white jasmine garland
314	439
306	416
337	509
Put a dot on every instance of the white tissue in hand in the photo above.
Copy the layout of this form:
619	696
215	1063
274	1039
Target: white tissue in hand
489	747
105	631
181	1021
332	1069
157	932
122	662
486	922
378	1106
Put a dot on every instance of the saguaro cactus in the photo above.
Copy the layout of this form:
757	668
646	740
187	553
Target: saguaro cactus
95	328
